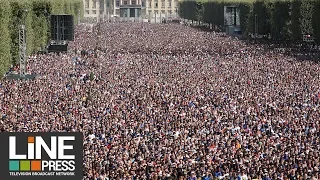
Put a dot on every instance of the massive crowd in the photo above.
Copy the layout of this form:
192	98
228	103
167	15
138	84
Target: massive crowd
167	101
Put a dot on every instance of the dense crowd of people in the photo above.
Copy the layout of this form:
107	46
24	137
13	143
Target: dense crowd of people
167	101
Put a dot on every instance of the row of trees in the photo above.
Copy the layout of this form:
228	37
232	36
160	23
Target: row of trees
282	19
35	15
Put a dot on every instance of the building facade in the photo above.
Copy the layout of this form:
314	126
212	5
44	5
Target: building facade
129	8
102	9
163	8
97	9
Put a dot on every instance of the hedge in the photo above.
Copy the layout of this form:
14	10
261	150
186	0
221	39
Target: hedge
35	15
282	19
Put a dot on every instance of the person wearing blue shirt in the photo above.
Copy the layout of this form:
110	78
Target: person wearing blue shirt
193	176
217	174
207	176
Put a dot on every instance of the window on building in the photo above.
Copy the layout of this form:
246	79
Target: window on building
108	4
156	4
169	3
229	9
117	3
132	12
87	12
163	3
94	12
94	4
125	2
149	3
143	3
87	3
133	2
101	5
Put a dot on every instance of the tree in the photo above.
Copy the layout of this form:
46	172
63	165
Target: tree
199	12
306	17
280	26
245	13
316	21
5	43
262	10
295	26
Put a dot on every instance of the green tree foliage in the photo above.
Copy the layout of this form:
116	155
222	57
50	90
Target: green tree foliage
29	28
58	6
283	19
207	17
78	8
316	21
280	26
220	15
245	13
18	16
5	55
40	24
306	17
262	11
295	26
191	9
199	11
213	13
35	15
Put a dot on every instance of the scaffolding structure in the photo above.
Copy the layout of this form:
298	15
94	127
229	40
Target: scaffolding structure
22	50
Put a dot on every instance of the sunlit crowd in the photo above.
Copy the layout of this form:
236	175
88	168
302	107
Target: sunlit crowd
171	102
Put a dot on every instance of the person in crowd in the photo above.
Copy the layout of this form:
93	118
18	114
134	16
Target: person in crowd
168	101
